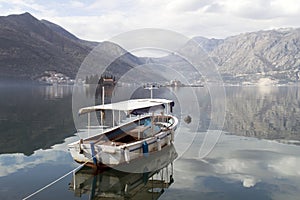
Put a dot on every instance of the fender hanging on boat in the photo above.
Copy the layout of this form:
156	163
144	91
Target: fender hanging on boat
93	153
145	148
126	155
158	144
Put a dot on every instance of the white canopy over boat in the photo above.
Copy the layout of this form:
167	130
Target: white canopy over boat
129	105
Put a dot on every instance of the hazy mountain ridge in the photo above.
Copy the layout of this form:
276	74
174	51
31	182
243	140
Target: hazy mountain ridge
60	30
250	56
208	44
29	47
263	57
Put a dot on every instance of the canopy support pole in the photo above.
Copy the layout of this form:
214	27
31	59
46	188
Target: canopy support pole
102	112
103	94
167	111
89	123
152	124
139	130
102	116
151	94
113	115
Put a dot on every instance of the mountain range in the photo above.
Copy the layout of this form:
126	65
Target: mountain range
250	56
29	47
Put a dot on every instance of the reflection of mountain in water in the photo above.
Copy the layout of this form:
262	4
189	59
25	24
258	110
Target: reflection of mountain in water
114	184
34	118
264	112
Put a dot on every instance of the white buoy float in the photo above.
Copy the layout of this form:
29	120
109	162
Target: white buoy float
158	144
126	155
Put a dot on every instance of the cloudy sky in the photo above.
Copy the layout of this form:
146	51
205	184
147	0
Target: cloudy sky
102	19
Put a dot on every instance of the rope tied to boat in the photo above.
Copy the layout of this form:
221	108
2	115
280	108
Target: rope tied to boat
60	178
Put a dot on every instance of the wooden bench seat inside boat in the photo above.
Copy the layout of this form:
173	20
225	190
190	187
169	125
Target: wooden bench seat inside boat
138	130
131	135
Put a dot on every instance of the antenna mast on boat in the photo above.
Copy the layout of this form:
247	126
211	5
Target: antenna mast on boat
151	87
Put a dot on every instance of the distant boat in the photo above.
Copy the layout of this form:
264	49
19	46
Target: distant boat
151	131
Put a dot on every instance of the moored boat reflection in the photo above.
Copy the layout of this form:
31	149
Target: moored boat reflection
116	184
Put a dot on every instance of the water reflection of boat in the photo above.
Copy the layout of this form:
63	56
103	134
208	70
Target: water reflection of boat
150	132
115	184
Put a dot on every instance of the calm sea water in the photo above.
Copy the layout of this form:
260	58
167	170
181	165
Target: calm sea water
255	156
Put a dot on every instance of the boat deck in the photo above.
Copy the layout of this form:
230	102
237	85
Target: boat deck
132	135
132	132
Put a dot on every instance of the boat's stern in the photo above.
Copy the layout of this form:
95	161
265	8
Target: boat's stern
90	153
77	152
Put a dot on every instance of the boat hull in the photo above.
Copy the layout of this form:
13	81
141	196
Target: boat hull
111	153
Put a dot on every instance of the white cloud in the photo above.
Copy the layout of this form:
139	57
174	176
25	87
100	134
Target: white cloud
262	164
260	10
249	182
188	5
288	166
287	7
76	4
93	27
100	20
11	163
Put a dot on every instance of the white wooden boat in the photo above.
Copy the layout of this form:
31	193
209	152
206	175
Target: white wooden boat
152	130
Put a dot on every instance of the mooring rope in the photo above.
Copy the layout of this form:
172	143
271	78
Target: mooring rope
55	181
